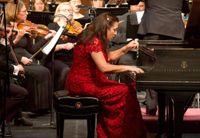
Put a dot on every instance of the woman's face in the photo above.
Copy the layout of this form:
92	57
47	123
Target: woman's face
97	3
112	31
74	4
39	5
22	15
67	11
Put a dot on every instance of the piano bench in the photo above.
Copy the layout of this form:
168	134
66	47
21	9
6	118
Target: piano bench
75	107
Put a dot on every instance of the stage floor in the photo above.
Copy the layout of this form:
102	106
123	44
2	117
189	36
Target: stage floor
77	128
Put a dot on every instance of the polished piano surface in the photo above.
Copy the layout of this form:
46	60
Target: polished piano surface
174	69
175	73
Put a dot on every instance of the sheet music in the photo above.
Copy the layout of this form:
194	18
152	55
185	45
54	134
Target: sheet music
47	49
139	16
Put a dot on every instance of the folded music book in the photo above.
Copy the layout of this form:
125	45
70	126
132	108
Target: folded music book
47	49
139	16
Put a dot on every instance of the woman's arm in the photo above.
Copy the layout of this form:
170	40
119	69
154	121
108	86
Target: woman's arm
65	46
116	54
20	34
104	66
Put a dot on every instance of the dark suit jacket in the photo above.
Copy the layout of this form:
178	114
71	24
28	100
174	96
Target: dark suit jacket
3	66
163	17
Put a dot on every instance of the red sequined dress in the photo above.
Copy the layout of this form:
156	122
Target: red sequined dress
120	115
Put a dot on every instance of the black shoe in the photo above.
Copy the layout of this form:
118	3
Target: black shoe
7	131
151	112
160	136
22	121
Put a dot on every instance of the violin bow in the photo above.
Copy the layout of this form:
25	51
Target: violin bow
12	51
14	55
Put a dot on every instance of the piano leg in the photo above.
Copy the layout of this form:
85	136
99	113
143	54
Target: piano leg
189	103
170	117
161	113
180	102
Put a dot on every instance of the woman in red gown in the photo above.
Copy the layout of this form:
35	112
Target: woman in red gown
120	115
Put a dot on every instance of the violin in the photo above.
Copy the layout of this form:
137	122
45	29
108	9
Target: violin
4	32
35	29
74	28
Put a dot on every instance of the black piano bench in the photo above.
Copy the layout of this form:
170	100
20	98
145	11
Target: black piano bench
75	107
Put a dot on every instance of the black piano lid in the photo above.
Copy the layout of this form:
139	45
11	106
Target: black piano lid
112	10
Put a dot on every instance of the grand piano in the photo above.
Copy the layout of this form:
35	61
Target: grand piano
175	73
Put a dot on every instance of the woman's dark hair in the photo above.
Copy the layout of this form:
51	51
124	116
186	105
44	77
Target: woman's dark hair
98	28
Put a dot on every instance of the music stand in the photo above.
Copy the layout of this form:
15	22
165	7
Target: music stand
47	49
52	7
44	17
112	10
114	5
83	20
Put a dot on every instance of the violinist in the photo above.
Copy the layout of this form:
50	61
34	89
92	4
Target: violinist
37	77
64	49
64	17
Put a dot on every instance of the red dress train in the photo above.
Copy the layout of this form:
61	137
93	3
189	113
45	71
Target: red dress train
120	115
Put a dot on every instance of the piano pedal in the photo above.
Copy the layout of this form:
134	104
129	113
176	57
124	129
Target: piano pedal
141	95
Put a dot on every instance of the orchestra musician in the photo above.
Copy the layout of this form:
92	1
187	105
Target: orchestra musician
134	20
37	77
120	114
76	9
63	54
162	12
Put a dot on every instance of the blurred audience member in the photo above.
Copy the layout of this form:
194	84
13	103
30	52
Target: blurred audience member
97	3
40	5
76	9
138	7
